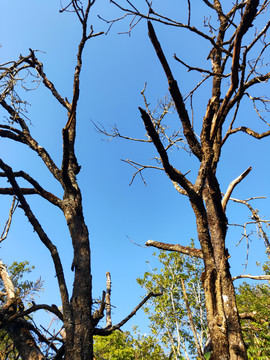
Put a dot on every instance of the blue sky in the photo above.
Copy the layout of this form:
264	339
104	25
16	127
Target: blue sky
116	68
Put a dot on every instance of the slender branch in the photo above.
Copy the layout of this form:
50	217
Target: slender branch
258	221
8	223
250	132
53	309
108	300
48	84
176	247
25	191
98	314
108	331
27	139
254	277
200	70
231	187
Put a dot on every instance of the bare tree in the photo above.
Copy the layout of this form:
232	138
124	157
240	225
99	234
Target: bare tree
79	320
238	39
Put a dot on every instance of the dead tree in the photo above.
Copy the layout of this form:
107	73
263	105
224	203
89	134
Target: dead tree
238	41
79	320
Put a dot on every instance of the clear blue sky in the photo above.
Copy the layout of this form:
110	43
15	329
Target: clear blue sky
116	68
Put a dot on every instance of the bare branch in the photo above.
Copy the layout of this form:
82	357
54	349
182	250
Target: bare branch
140	168
176	95
53	309
43	237
37	188
8	223
254	277
108	331
249	132
176	247
33	62
232	186
108	300
256	219
174	175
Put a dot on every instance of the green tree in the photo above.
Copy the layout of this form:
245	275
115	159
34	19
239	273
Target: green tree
254	304
178	318
25	291
123	346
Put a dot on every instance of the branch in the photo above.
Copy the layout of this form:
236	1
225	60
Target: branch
98	314
8	223
37	188
154	16
254	277
108	331
48	84
108	300
175	247
27	139
174	174
231	187
44	238
53	309
140	168
245	23
258	221
176	95
249	132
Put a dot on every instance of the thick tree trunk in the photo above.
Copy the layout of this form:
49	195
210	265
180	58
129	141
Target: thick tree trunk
23	341
222	316
79	341
223	320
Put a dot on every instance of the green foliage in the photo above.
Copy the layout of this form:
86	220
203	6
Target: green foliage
255	301
25	290
168	314
122	346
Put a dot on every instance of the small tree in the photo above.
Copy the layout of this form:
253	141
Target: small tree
253	303
23	292
234	72
177	318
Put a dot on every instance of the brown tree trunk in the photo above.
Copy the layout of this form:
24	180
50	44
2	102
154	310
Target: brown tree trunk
80	337
222	314
23	341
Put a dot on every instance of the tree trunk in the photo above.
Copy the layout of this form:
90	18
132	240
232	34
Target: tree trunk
222	314
23	341
79	340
